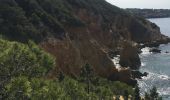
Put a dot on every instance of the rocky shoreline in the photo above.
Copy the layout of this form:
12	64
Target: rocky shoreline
130	61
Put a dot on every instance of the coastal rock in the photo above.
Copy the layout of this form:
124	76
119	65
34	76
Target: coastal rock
129	56
124	75
138	74
155	50
167	52
164	40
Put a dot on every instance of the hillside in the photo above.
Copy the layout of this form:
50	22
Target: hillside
64	49
77	32
150	13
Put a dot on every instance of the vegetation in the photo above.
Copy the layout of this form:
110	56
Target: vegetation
153	95
19	59
22	71
22	20
24	67
137	93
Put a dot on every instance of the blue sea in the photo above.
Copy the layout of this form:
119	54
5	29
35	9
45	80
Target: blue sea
157	64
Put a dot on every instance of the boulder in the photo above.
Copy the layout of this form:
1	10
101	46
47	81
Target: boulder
129	56
155	50
167	52
138	74
124	75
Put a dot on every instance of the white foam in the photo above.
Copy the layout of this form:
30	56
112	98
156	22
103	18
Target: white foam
146	83
145	51
143	64
152	75
164	77
149	76
164	91
116	62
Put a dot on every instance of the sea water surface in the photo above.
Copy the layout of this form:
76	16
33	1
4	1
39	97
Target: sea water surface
157	64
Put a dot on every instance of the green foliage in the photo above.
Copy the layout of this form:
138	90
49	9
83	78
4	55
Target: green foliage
69	89
18	88
17	59
119	88
22	88
74	89
46	90
137	93
22	67
14	24
87	75
126	95
22	20
147	97
61	76
153	95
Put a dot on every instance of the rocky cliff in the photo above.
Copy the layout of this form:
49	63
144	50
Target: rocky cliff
75	31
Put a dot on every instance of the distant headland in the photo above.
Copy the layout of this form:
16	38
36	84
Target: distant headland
150	13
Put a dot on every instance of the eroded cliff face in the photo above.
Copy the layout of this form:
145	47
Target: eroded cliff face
129	56
100	35
91	44
77	32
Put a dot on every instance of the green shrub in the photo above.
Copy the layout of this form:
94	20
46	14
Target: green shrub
17	59
23	88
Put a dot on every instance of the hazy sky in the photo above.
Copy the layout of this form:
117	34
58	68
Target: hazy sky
165	4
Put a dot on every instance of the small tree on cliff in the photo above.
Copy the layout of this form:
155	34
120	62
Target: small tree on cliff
147	96
126	95
61	76
137	93
153	93
87	74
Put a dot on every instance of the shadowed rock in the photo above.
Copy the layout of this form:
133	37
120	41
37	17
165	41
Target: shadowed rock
129	56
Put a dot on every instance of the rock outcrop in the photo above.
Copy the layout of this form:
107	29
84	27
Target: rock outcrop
155	50
138	74
129	56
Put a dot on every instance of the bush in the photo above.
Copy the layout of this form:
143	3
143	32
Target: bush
21	88
17	59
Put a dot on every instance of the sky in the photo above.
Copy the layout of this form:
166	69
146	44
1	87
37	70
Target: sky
156	4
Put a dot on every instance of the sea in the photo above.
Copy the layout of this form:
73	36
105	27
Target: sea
157	64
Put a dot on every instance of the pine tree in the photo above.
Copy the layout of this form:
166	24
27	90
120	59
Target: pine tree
137	93
153	93
117	97
61	76
126	95
87	74
147	96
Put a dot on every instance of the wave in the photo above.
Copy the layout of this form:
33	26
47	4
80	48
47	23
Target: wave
152	75
164	91
145	51
143	64
161	81
116	60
